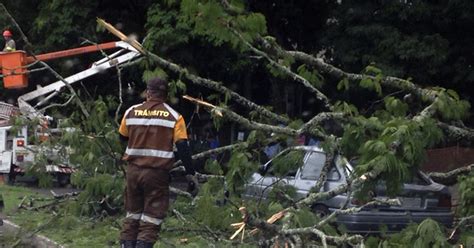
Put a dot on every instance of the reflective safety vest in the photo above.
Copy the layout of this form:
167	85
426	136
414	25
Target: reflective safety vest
10	46
150	134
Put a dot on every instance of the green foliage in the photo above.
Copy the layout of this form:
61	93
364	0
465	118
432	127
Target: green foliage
287	163
276	72
94	141
427	234
202	15
213	167
209	213
165	29
346	108
95	150
466	189
450	106
343	84
275	195
175	86
251	25
372	78
304	218
240	168
394	147
296	124
263	209
467	237
311	75
96	189
209	19
56	22
395	107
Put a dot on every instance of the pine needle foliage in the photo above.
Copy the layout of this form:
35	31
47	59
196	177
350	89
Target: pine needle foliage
427	234
466	188
95	151
209	212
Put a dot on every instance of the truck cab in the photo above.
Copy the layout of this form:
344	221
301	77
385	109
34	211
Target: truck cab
14	150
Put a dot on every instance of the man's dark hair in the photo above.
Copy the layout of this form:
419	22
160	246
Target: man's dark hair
157	87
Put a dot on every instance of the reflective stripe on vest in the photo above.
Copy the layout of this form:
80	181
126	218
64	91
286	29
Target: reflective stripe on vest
149	152
150	122
172	111
152	220
133	216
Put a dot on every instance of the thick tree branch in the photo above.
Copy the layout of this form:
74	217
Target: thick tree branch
458	134
217	86
286	70
450	177
392	202
340	74
180	192
314	197
463	221
308	127
214	151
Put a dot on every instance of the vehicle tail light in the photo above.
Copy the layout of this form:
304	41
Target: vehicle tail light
357	202
20	158
444	201
20	143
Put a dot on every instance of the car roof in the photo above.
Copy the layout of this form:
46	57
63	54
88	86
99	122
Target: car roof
309	148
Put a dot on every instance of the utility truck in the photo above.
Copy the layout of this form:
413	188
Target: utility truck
16	152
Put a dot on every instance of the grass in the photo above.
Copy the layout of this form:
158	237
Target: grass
67	230
12	196
73	231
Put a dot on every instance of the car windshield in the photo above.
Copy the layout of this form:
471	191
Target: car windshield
313	166
286	164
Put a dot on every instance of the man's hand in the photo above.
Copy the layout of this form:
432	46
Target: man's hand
193	184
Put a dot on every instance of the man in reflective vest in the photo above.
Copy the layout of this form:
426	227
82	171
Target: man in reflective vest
10	45
151	129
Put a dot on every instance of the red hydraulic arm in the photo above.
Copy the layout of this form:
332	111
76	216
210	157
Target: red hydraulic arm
71	52
14	64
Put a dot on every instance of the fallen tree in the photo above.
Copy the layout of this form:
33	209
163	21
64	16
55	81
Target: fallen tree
387	137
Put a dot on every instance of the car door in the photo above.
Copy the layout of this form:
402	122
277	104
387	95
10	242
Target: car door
418	193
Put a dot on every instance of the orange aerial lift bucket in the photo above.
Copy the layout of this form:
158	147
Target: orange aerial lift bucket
14	70
14	64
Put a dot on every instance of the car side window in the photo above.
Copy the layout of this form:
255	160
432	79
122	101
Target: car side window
418	180
333	174
313	166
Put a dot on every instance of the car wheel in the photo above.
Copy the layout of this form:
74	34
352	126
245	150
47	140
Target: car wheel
320	210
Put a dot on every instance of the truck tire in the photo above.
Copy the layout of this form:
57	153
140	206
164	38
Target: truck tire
63	179
4	178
